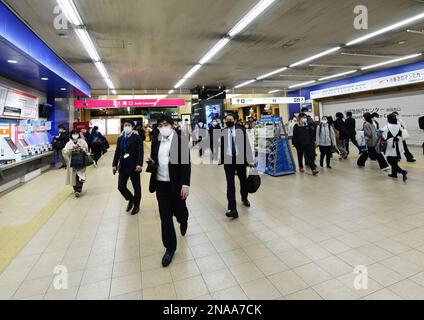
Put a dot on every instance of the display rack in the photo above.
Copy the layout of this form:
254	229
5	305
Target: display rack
272	148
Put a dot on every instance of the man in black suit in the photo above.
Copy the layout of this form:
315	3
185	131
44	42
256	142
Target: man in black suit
351	129
128	161
236	155
170	160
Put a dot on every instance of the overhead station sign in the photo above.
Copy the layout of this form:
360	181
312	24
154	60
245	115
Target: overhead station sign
397	80
131	103
253	101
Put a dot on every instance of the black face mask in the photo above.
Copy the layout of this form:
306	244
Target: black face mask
230	124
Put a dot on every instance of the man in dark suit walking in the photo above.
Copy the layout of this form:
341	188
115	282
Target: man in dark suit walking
170	160
128	161
236	156
351	129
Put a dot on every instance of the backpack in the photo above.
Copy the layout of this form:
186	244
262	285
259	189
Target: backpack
421	122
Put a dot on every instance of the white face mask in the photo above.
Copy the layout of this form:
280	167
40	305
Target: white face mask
75	136
324	121
165	131
128	130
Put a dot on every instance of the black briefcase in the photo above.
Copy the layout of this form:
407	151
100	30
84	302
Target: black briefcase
253	181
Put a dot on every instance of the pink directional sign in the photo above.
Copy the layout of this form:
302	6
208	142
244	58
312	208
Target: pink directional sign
134	103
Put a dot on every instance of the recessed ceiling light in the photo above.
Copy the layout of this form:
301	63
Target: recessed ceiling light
63	89
45	79
12	61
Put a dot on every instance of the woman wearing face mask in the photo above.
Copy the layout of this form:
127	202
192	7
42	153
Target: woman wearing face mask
171	183
128	161
74	176
325	139
304	142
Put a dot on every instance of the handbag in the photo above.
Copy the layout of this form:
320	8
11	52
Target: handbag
152	167
253	181
78	160
88	159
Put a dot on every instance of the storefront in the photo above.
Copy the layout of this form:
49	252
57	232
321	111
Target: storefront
35	98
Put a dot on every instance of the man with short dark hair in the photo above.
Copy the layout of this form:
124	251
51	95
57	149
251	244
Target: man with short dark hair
128	161
351	130
236	155
60	142
170	179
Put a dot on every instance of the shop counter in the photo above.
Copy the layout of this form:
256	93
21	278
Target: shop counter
16	173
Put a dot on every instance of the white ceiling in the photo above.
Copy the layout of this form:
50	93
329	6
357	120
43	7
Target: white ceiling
151	44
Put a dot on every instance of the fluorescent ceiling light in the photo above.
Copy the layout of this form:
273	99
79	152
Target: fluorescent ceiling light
386	29
12	61
319	55
70	10
45	79
302	84
171	92
272	73
221	44
63	89
180	83
192	71
100	66
338	75
244	84
392	61
109	84
88	44
273	91
252	15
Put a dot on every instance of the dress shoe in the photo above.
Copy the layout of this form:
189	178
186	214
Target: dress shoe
405	176
392	176
246	203
315	172
183	228
412	160
329	167
130	205
232	214
302	170
167	258
135	211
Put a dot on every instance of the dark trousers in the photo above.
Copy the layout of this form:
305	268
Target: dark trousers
170	204
78	186
409	156
373	154
307	152
394	163
325	154
230	172
124	175
97	150
353	139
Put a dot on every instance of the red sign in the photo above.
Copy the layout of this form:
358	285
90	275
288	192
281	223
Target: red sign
134	103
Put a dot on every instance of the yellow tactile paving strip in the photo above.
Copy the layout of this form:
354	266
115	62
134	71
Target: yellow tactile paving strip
14	239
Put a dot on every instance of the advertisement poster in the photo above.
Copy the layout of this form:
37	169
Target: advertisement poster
410	106
214	110
16	104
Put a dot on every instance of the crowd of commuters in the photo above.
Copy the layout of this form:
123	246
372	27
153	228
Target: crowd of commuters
170	166
386	145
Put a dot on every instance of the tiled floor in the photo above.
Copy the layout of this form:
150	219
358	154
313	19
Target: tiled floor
301	239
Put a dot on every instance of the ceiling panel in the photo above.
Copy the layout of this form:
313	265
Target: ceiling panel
150	44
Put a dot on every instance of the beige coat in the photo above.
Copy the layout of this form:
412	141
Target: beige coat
71	174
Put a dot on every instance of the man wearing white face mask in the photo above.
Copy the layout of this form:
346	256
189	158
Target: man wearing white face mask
128	161
170	180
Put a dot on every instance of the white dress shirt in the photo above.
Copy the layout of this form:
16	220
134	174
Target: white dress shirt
232	133
164	158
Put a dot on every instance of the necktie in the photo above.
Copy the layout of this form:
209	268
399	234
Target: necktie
233	145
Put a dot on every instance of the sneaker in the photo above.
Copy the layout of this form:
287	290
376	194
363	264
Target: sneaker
77	194
315	172
95	164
